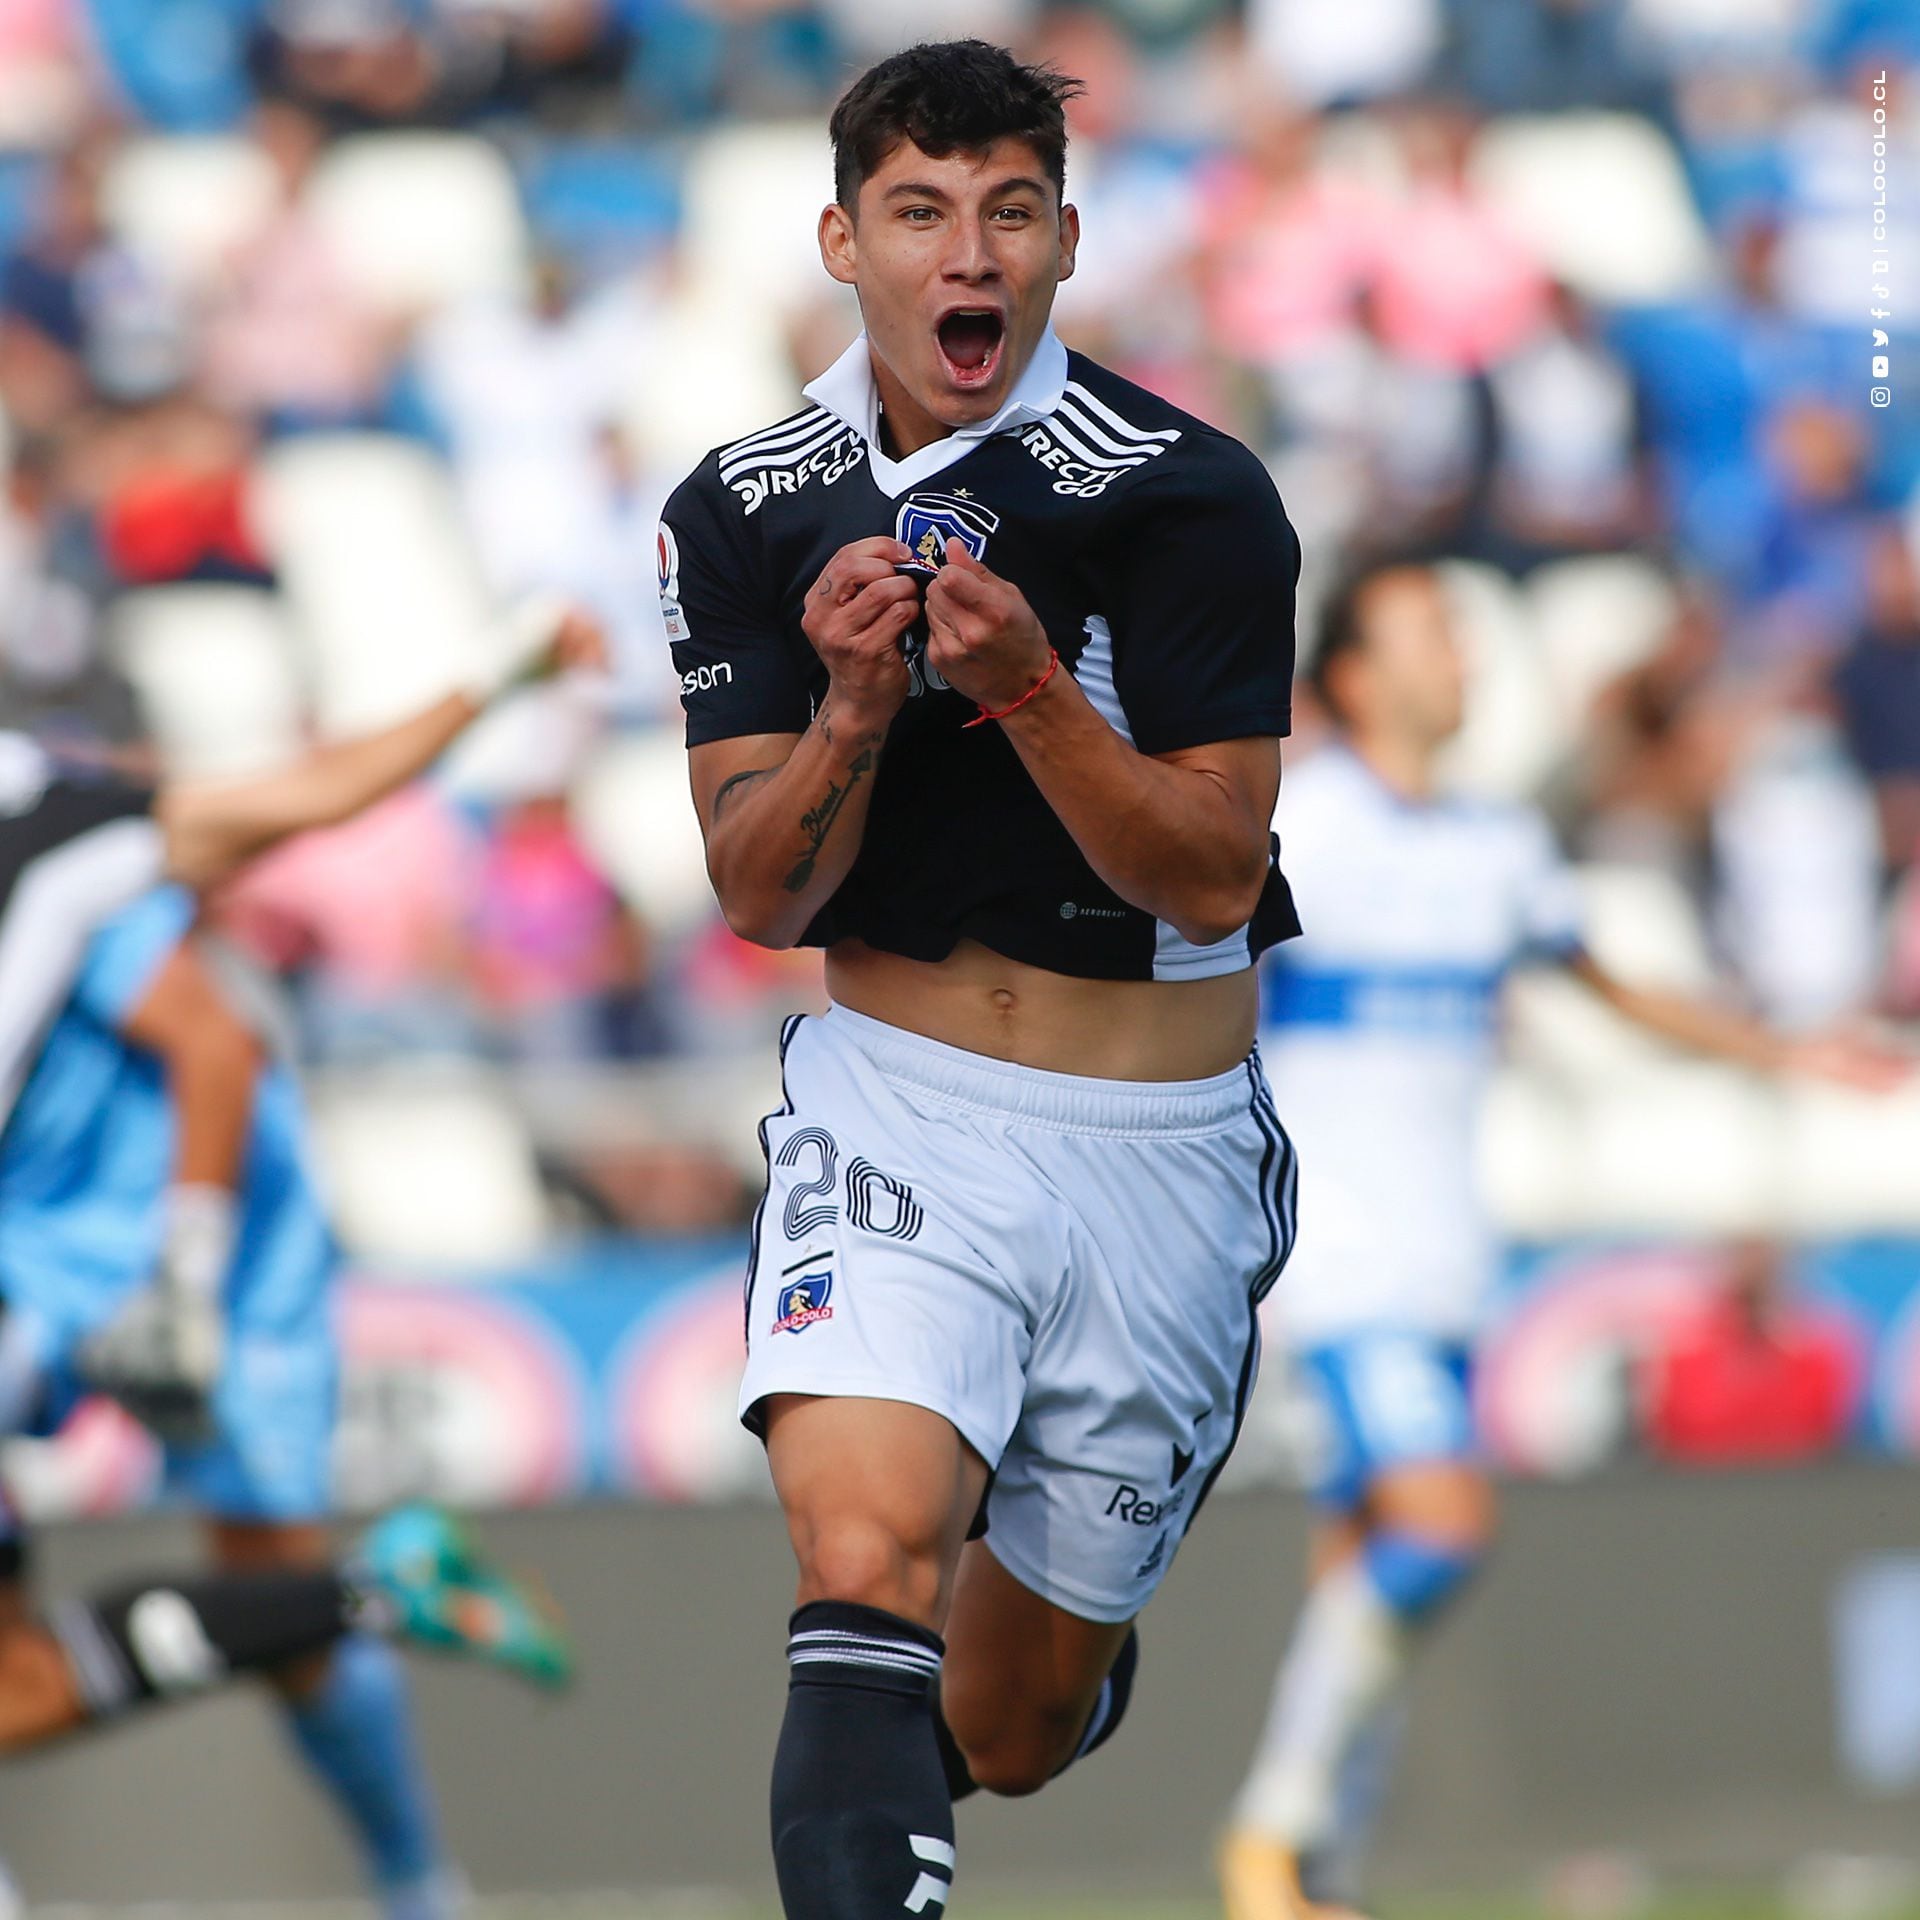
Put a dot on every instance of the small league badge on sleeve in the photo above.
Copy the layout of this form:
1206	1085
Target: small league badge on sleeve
803	1301
670	609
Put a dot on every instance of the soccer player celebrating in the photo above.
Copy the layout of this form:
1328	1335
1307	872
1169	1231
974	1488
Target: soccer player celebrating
1380	1024
160	1237
986	658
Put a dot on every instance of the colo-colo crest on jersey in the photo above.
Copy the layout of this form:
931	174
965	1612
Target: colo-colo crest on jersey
924	525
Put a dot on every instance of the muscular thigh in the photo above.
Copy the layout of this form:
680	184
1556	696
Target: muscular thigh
878	1496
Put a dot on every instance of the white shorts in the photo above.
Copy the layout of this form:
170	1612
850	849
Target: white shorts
1067	1269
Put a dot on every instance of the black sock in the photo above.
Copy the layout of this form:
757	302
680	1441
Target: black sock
862	1824
1109	1709
155	1638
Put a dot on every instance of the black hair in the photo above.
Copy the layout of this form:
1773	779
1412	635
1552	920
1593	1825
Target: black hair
949	96
1342	628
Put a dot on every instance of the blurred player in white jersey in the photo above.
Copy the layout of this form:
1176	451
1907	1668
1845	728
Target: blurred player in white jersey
1379	1031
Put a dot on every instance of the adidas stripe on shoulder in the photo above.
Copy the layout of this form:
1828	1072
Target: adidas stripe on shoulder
784	457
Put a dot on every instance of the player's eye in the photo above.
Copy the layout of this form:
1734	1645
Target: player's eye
1013	214
920	216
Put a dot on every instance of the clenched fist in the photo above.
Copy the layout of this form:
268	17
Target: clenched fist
982	637
857	614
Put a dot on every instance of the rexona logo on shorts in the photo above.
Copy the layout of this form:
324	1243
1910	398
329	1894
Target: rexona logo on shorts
803	1301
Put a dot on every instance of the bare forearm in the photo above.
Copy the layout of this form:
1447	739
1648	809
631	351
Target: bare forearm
212	827
1699	1026
1166	839
784	838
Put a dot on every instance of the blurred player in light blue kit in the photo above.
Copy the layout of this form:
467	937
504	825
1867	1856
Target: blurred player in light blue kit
1379	1031
161	1238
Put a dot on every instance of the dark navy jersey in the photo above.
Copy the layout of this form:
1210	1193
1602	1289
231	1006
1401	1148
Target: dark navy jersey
74	850
1158	558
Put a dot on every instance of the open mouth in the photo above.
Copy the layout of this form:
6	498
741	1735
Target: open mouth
970	342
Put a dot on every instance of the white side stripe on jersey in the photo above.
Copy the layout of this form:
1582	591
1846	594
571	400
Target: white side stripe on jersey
779	432
1175	957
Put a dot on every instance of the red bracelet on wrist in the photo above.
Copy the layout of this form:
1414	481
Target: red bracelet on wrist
1053	667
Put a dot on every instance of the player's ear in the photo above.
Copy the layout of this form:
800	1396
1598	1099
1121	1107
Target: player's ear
838	246
1069	239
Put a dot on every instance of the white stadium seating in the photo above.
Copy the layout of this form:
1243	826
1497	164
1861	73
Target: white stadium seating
1513	737
422	219
1603	200
215	670
185	202
634	815
430	1168
375	561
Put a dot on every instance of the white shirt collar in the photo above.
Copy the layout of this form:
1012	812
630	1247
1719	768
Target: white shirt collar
847	389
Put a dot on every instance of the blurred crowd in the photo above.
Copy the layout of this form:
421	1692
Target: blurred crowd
1575	293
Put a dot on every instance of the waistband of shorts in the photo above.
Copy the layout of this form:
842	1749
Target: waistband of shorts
1066	1102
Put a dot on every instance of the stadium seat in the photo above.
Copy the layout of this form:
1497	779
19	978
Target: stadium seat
1849	1161
1513	737
1529	1166
1679	1149
751	198
635	818
215	671
1642	924
375	562
1596	619
422	219
188	201
1636	237
431	1170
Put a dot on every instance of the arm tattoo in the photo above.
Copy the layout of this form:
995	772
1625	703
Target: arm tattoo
818	823
739	780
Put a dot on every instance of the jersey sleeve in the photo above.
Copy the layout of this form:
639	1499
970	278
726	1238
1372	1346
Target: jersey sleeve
737	672
1200	569
1551	923
126	955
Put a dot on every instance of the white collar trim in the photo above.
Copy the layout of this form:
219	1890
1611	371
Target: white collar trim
847	389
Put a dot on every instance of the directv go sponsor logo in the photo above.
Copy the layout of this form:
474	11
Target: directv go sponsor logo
1880	394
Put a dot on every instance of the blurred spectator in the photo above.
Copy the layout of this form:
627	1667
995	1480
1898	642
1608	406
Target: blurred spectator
290	338
1751	1377
1877	684
1457	285
53	678
1551	56
1567	464
1320	56
371	917
357	64
1286	241
524	392
175	500
42	87
79	312
1799	866
559	965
